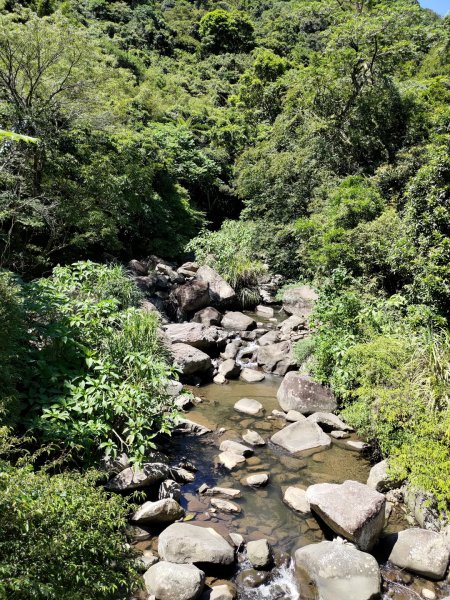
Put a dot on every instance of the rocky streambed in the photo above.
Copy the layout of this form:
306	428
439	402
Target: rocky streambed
262	491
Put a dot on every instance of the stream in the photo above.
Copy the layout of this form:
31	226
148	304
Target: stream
263	512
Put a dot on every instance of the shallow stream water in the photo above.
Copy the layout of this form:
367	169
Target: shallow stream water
263	513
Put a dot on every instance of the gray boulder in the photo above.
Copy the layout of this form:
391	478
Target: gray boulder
229	369
269	338
259	554
188	269
190	360
301	436
423	552
191	427
196	335
169	581
276	358
238	321
208	316
251	375
338	571
185	543
230	460
220	292
133	479
225	505
293	323
256	480
264	311
299	301
248	406
231	349
162	511
351	509
329	421
191	296
301	393
236	447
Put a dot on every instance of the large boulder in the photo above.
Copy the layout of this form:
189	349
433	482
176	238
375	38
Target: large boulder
301	436
196	335
190	360
301	393
185	543
276	358
338	571
208	316
237	321
162	511
191	296
299	301
133	478
269	338
421	551
220	292
293	323
351	509
170	581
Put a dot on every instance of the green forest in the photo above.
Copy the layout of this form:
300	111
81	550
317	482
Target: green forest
306	138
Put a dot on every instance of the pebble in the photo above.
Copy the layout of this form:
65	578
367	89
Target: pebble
428	594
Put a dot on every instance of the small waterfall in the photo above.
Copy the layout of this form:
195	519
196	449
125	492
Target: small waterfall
244	352
282	586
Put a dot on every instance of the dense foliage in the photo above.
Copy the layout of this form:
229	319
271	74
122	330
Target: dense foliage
62	538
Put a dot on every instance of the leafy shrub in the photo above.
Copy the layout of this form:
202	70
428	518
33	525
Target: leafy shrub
97	369
232	251
62	538
303	350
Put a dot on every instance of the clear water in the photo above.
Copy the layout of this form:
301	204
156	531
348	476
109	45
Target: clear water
263	513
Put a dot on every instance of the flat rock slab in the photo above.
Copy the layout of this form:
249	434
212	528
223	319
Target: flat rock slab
301	436
329	421
222	491
301	393
185	543
338	571
169	581
236	447
162	511
421	551
231	460
248	406
351	509
295	498
238	321
251	375
225	505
